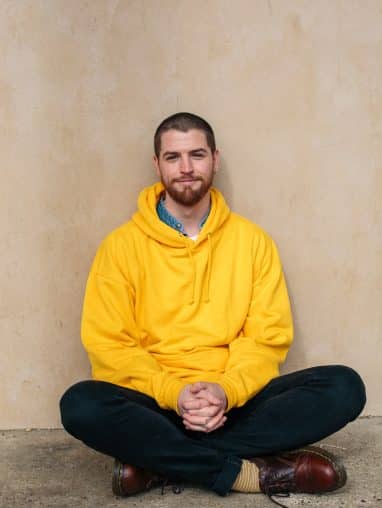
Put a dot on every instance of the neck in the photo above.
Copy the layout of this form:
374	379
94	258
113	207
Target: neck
189	216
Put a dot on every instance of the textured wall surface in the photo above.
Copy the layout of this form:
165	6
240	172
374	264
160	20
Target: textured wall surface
293	89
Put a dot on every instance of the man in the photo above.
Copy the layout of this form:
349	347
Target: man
186	319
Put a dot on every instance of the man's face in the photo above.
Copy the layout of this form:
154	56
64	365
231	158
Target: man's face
186	165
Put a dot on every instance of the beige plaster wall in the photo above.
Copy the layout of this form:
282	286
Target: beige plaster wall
293	89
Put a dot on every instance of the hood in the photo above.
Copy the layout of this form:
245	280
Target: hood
146	218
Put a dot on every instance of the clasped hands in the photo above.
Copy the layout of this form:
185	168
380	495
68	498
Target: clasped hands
202	406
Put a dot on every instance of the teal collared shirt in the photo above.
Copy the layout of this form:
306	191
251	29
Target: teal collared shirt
166	217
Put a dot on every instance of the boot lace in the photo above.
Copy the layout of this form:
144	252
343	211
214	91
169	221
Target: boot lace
280	494
177	488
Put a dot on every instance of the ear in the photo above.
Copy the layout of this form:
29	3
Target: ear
156	165
216	158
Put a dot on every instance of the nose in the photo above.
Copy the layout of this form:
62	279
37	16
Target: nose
186	165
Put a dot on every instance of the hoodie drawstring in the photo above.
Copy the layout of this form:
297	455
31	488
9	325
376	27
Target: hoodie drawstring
193	272
207	293
206	296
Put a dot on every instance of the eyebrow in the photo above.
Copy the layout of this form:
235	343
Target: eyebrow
195	150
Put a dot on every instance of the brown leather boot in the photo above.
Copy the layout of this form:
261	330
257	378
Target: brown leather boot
310	470
129	480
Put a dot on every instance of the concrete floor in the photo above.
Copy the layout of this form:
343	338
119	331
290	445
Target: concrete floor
48	468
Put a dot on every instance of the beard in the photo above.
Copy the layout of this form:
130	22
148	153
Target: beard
188	196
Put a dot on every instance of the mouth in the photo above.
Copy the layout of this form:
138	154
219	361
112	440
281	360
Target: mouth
188	180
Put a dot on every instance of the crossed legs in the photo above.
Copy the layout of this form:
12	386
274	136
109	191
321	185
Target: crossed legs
291	411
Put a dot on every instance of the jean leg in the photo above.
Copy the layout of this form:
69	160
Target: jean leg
292	411
131	426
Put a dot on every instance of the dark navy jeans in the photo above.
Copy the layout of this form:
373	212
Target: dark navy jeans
291	411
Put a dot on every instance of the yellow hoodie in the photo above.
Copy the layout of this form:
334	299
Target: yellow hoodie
162	310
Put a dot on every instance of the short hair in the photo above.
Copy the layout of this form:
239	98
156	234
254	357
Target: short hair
184	122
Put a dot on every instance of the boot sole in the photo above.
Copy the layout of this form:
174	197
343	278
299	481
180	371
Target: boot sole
117	479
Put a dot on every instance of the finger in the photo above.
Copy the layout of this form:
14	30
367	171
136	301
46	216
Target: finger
209	411
197	428
195	419
204	428
196	387
217	425
221	424
215	421
195	404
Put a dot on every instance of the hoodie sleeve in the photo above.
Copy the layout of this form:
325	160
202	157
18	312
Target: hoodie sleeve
263	343
111	337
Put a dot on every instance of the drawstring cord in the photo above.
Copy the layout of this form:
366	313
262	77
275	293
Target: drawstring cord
206	296
193	272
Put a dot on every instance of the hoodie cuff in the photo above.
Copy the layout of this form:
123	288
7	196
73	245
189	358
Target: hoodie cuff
230	391
170	394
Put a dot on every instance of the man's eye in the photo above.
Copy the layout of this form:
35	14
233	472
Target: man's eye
171	157
198	155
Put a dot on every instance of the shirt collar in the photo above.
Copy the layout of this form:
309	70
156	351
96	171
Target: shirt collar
166	217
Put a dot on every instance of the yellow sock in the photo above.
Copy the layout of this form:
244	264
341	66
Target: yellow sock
248	478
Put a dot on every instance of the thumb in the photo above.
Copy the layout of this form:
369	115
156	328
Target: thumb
196	387
206	395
